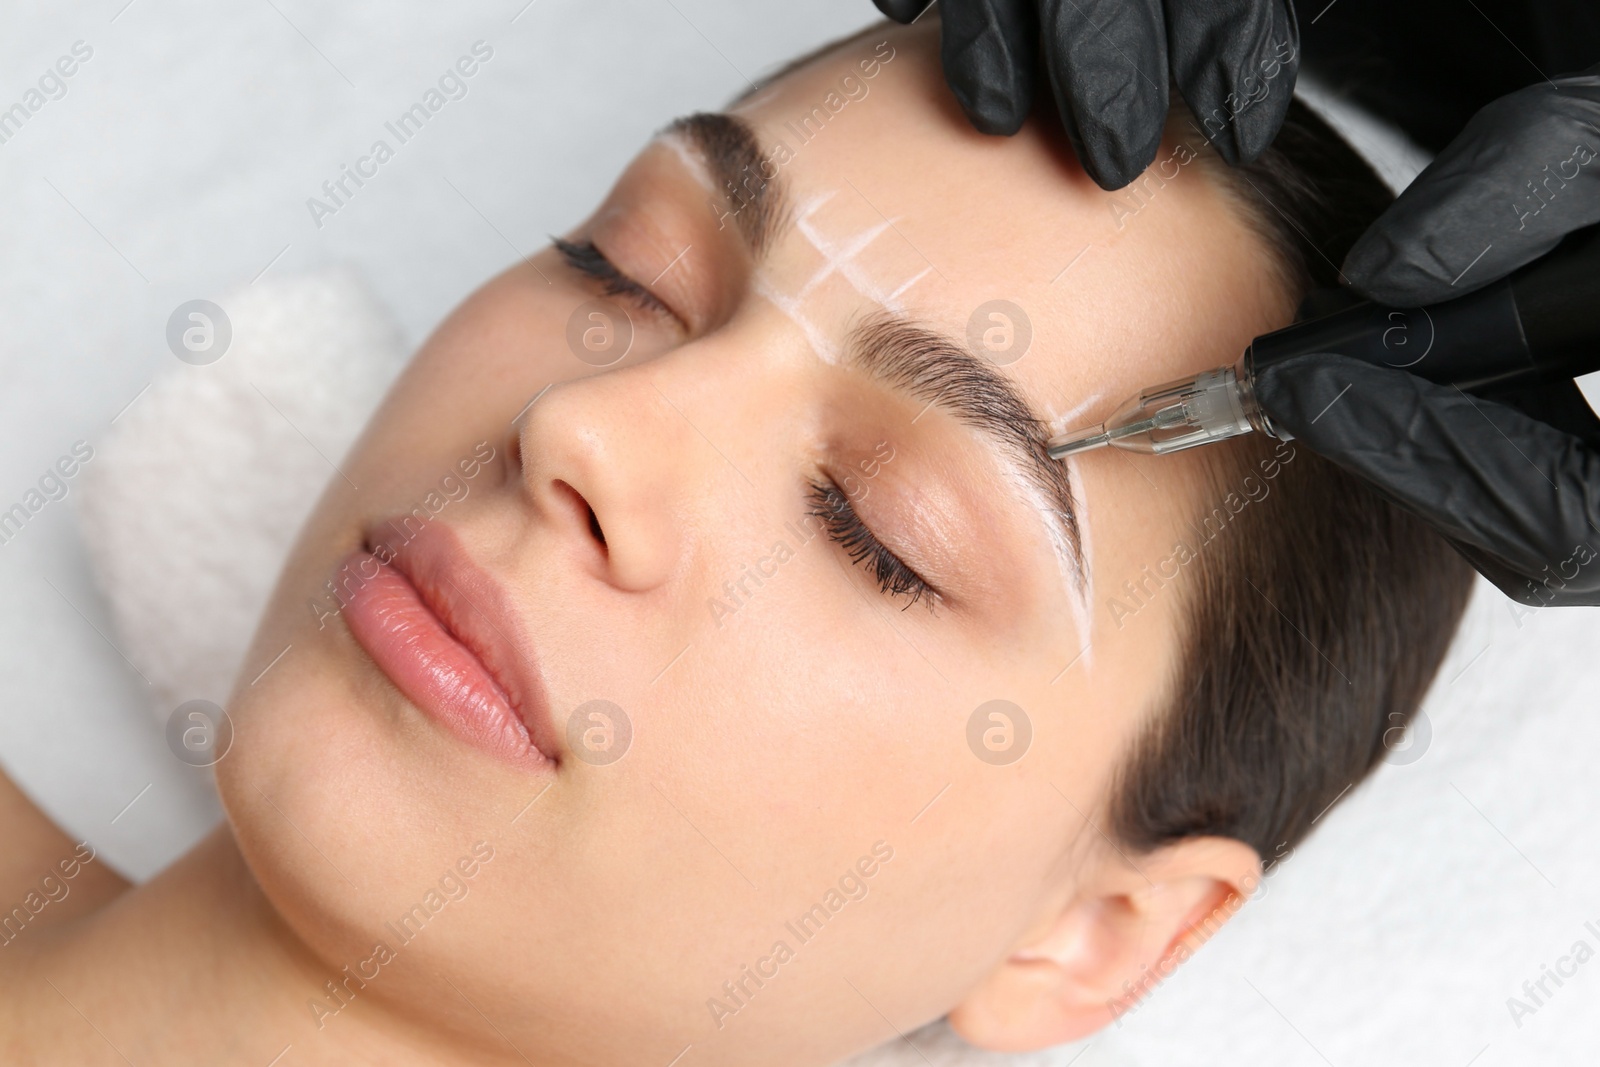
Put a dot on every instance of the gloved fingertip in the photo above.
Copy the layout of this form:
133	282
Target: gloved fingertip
1228	150
987	53
1240	135
993	114
1303	393
1378	269
1256	128
1277	65
1114	161
1111	174
1365	261
902	11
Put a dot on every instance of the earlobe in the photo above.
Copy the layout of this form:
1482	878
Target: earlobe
1125	930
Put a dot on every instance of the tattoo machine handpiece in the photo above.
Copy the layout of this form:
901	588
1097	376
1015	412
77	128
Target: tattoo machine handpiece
1539	324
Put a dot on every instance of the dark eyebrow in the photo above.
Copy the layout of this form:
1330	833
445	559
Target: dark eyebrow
925	364
758	204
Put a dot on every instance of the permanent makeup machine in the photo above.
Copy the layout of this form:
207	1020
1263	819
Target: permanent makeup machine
1537	326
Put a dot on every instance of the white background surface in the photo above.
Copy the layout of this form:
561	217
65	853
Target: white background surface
177	166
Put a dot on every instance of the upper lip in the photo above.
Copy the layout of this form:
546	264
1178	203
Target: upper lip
477	610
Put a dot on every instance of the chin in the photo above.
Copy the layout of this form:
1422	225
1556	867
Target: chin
319	780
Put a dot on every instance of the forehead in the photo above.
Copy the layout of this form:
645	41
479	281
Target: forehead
1004	240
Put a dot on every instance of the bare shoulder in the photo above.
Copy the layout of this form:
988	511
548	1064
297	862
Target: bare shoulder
45	876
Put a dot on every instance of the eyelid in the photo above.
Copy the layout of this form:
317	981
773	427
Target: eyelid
587	259
918	360
845	527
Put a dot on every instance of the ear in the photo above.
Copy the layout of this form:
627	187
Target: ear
1124	931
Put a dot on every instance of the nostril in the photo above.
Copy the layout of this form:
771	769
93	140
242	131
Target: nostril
580	511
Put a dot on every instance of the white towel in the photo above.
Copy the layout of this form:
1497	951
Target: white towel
191	503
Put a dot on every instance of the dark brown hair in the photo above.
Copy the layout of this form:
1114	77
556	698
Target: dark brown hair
1316	615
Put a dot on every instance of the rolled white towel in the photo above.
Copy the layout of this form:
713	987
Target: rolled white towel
193	500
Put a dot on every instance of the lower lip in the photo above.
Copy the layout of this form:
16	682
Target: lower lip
434	670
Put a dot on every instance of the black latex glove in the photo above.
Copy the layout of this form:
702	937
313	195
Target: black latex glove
1234	61
1514	485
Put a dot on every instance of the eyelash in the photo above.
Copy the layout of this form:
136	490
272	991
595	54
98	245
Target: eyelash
830	504
588	260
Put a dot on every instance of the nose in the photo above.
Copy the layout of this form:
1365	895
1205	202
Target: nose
607	461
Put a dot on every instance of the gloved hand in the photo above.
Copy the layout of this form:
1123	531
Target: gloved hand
1234	61
1516	485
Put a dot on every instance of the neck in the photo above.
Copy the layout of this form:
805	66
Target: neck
195	966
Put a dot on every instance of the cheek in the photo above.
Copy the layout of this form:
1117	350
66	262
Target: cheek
801	705
807	729
812	704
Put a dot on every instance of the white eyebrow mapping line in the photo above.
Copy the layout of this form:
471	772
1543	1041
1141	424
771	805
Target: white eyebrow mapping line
686	154
1070	417
836	260
1079	594
790	306
894	297
1083	592
842	259
1084	611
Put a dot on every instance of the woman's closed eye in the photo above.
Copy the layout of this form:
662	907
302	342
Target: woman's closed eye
588	260
830	504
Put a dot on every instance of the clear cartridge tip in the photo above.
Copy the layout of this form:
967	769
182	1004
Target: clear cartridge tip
1209	407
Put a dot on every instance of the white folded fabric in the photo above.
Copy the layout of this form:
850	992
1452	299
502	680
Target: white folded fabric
192	501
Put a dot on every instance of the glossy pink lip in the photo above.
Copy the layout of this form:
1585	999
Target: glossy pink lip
443	630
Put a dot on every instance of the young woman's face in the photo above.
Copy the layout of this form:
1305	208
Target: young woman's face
796	821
